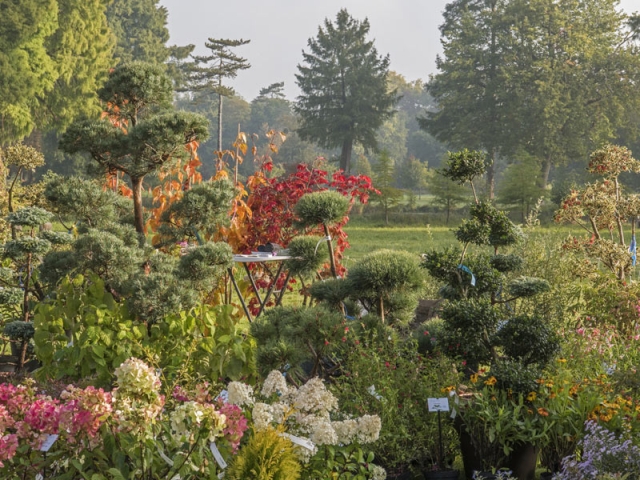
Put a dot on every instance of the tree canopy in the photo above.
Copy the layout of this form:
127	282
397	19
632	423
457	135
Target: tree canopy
345	94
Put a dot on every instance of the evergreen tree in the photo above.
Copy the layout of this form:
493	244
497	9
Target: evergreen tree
140	28
345	96
520	186
140	137
383	178
446	193
207	72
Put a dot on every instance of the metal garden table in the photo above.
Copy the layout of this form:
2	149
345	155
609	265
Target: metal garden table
245	260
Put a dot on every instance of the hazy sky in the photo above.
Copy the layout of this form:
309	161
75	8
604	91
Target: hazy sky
405	29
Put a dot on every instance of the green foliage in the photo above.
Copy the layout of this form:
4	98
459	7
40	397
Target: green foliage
473	231
210	342
136	93
266	456
341	78
140	29
387	282
204	265
10	296
507	263
29	217
85	201
446	192
306	339
528	287
308	255
84	332
201	210
347	462
19	330
332	291
465	166
321	208
520	186
392	380
389	196
56	238
19	249
470	327
529	339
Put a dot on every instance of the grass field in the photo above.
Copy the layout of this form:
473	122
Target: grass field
365	239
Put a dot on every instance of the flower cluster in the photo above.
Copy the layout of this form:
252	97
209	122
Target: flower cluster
191	420
27	418
602	453
305	411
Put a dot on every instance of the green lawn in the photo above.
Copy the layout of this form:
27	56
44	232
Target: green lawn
365	239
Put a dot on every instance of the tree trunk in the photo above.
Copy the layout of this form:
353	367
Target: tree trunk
332	259
219	123
25	298
138	211
545	170
448	212
345	155
491	176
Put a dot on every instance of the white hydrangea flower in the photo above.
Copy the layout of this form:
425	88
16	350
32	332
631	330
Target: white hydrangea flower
262	416
313	397
322	432
369	428
347	431
240	394
136	377
379	473
275	383
278	411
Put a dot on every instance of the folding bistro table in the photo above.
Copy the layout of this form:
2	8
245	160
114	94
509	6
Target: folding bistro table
245	260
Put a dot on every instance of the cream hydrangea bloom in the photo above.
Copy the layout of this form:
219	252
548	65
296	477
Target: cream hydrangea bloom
322	432
274	383
313	397
379	473
347	431
262	416
240	394
190	417
369	428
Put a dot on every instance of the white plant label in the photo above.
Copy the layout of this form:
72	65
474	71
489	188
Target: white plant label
48	443
216	454
165	458
438	404
453	413
39	477
303	442
372	391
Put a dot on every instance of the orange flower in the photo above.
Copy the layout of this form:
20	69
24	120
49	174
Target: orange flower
543	412
491	381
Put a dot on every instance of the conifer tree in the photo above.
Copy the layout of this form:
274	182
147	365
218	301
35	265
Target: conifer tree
208	71
143	134
345	96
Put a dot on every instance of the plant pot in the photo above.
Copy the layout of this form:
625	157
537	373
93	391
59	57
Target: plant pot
441	474
522	461
546	476
8	363
471	460
16	348
399	475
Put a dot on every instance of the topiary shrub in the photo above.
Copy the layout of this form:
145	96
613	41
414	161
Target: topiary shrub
267	456
322	208
308	256
387	282
529	340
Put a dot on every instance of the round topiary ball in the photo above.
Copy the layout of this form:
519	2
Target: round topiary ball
317	208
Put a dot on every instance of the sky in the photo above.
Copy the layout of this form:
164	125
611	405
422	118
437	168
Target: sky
407	30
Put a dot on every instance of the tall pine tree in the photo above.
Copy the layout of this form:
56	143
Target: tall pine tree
207	72
345	96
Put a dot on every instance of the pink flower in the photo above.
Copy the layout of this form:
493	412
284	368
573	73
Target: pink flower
236	424
8	447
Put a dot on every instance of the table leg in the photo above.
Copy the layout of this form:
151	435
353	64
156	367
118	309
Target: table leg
284	288
253	282
273	285
244	305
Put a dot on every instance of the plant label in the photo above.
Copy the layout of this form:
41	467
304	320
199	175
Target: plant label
165	458
438	404
303	442
39	477
48	443
216	454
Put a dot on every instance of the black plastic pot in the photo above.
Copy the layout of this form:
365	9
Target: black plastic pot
522	461
441	474
8	363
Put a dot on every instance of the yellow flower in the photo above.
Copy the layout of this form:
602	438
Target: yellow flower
491	381
562	360
448	389
473	378
531	397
